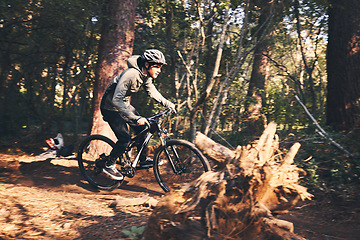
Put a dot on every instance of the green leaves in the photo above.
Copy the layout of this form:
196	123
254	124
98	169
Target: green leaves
134	232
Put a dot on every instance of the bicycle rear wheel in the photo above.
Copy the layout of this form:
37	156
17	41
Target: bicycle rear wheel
92	155
178	162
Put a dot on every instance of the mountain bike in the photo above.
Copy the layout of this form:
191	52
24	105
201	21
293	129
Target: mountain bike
176	161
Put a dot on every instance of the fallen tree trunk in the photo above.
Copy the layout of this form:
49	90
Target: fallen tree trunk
239	200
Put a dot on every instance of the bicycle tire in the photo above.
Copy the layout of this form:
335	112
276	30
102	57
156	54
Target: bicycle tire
192	163
91	159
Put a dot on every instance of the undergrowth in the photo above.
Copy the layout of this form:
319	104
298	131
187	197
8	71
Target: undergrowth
325	164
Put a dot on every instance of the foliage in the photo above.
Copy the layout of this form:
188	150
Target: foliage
65	48
48	54
134	232
326	165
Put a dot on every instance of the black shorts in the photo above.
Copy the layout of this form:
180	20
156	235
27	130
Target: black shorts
120	126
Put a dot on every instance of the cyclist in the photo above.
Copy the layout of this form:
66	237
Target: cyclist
119	113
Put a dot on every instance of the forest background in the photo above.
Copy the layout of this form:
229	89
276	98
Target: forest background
233	66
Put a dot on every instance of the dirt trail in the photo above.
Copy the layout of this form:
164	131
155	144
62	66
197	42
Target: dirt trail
50	200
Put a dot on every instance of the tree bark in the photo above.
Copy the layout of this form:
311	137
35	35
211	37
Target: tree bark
239	200
211	83
222	94
260	73
308	65
115	47
343	65
212	149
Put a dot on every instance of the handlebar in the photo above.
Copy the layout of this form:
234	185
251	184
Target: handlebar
158	115
153	122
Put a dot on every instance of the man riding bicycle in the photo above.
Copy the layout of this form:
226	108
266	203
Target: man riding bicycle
119	113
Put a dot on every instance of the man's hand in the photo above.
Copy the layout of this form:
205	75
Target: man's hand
143	121
172	108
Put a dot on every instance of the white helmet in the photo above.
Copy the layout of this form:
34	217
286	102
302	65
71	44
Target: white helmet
154	56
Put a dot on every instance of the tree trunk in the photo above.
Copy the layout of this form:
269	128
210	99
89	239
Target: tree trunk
211	83
239	200
343	65
115	47
221	97
260	73
259	76
308	65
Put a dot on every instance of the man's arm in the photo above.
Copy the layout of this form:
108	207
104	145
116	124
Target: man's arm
118	102
156	95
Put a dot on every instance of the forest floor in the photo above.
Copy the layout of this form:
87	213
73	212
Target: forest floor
48	199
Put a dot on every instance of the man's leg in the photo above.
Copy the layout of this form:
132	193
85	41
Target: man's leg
120	128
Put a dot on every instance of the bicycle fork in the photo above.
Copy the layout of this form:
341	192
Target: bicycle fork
177	170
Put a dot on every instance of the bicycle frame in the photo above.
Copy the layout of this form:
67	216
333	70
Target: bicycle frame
145	143
155	127
173	156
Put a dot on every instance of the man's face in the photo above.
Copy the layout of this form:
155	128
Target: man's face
155	70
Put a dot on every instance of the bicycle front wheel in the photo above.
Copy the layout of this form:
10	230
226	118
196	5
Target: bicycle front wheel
92	155
178	162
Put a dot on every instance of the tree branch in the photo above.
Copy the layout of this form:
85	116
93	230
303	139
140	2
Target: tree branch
321	132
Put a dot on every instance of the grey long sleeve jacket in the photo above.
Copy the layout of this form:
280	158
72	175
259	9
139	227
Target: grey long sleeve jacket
117	94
